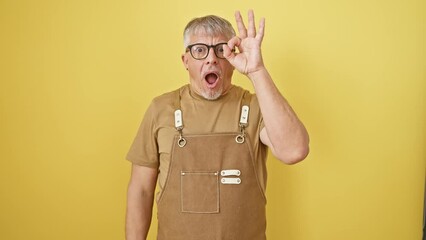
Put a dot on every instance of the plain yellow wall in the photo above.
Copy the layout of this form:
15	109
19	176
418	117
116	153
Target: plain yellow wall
77	76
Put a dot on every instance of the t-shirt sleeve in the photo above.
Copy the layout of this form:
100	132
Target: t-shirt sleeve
144	149
261	124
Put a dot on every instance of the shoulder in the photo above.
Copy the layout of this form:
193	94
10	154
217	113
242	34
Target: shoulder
250	99
167	100
240	93
163	105
168	97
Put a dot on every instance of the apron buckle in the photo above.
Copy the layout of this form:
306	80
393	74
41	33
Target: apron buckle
240	138
181	141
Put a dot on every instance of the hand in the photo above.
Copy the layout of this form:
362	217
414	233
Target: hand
248	60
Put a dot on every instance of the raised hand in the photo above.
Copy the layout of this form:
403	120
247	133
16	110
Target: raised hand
248	59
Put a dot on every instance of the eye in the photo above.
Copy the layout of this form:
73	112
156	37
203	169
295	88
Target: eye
199	49
219	48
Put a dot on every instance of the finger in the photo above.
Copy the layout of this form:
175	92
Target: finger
234	42
261	32
227	49
227	53
240	24
251	25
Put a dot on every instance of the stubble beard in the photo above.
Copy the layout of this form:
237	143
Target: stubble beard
212	95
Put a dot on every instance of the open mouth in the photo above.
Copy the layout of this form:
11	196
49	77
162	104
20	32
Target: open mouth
211	79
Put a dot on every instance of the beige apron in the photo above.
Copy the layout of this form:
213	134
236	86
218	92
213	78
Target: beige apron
212	189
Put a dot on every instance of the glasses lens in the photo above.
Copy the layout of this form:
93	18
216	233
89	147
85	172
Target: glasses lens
199	51
219	50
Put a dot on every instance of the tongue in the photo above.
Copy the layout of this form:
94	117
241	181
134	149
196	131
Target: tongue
211	78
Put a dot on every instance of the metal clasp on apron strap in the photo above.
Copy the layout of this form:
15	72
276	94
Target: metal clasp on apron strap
240	138
179	126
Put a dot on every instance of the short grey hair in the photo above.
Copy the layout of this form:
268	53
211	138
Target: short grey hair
211	25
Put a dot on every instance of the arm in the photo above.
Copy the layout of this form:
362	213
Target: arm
140	197
284	133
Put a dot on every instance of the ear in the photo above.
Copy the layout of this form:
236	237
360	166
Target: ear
185	60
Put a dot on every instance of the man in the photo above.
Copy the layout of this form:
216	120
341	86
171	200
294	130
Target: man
207	141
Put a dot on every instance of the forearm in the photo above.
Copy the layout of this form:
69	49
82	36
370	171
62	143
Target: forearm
288	138
139	213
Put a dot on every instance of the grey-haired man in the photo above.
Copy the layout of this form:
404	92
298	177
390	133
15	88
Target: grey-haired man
206	143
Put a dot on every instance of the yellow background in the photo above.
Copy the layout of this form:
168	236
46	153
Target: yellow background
77	76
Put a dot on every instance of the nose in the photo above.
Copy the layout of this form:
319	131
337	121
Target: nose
211	58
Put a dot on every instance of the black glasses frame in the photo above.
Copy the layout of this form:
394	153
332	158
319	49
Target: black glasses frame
189	48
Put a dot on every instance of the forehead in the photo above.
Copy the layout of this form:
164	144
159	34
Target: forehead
206	38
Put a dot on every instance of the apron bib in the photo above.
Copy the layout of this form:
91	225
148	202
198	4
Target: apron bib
212	190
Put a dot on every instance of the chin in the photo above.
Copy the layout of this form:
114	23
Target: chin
212	95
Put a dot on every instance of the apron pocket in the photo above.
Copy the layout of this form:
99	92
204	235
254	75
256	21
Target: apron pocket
199	192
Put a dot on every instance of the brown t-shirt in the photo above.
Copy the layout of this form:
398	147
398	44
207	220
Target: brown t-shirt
153	143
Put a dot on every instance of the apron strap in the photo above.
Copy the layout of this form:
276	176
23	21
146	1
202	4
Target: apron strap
246	99
177	98
179	119
245	109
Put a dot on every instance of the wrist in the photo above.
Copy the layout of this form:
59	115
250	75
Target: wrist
260	73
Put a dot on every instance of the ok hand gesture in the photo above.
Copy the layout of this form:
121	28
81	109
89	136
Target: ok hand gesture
248	59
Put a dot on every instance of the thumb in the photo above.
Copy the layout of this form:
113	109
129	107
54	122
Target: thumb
228	54
228	51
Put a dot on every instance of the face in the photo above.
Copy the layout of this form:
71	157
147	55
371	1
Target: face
209	77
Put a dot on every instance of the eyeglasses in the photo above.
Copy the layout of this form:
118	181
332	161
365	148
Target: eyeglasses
200	51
